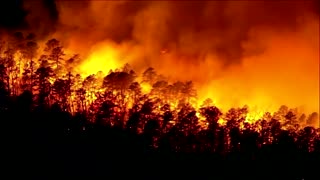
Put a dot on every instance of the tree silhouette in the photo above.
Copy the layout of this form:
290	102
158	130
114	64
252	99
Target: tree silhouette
159	89
135	90
90	84
106	114
312	119
236	113
55	115
188	91
149	76
61	88
55	55
51	44
29	53
43	85
119	83
212	115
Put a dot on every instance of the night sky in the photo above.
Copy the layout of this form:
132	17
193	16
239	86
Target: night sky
13	14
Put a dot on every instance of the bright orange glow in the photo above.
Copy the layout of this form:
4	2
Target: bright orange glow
239	57
146	88
104	57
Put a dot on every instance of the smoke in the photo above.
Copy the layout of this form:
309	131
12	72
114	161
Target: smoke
255	52
190	27
27	16
285	71
12	15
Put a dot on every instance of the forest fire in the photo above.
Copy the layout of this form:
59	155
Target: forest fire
277	67
195	82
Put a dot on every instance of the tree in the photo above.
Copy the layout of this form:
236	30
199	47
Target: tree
4	78
207	102
61	88
74	59
56	53
236	114
29	70
313	119
119	82
188	91
177	88
10	67
147	109
281	113
51	44
167	117
135	90
81	96
56	58
43	84
302	119
159	89
149	76
212	115
291	117
106	113
133	122
90	84
187	118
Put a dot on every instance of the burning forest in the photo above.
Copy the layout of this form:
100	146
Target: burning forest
203	77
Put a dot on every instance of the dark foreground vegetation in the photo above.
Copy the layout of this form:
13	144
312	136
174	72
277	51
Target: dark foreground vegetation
52	143
56	124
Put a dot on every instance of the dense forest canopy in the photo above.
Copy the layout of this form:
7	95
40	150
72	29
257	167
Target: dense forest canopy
46	71
40	91
236	53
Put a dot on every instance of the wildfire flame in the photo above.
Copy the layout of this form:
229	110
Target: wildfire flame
244	64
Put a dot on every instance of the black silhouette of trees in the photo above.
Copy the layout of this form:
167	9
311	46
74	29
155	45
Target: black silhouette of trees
212	115
29	53
135	91
62	91
43	85
55	54
109	114
236	114
119	82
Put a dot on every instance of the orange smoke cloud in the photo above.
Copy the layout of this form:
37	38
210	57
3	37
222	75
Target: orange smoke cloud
263	54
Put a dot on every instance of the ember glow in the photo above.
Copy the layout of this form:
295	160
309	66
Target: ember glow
259	55
102	58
